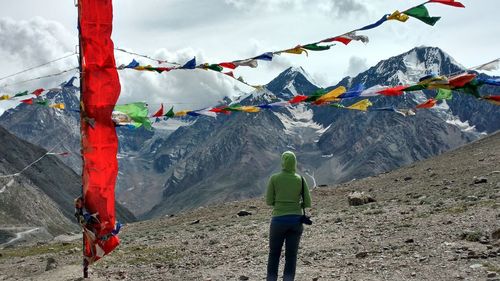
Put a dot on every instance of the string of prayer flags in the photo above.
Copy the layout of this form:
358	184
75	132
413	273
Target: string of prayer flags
419	12
489	66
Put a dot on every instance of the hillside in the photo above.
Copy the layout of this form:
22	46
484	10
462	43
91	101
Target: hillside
42	196
433	220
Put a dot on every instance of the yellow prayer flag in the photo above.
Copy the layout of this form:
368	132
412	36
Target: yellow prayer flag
397	15
332	95
4	97
182	113
250	109
361	105
57	105
297	50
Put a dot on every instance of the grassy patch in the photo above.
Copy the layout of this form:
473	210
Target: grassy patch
457	209
148	255
491	267
472	236
37	250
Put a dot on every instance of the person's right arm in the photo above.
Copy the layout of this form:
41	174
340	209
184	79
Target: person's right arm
270	193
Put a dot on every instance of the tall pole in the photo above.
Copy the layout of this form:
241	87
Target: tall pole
85	263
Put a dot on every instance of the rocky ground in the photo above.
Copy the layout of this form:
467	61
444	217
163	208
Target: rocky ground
438	219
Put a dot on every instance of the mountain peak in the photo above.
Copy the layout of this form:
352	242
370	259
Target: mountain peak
291	82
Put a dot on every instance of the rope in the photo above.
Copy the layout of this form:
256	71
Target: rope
34	162
41	77
35	67
146	56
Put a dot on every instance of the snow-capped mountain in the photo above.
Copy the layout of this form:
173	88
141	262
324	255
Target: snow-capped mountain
214	160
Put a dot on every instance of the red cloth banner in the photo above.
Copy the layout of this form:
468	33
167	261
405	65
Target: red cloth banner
101	88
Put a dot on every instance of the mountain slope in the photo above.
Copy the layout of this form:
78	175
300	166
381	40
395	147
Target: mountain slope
433	220
43	194
332	145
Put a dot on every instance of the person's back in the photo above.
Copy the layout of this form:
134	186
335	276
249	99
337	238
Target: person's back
284	193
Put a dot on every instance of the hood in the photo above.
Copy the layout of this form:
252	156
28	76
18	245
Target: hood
288	162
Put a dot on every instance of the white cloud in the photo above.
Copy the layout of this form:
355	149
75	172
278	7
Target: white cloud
356	65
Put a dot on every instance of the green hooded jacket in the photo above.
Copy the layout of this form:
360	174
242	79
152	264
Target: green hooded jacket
284	189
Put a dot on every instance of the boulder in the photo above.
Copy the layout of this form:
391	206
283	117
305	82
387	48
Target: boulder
357	198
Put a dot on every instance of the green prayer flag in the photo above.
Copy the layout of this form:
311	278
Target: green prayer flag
21	94
443	94
138	112
316	95
420	12
338	105
315	47
43	102
170	113
215	67
415	88
233	107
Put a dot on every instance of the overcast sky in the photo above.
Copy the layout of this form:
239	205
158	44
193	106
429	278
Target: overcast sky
32	32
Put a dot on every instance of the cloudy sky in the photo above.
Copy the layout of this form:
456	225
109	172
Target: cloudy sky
33	32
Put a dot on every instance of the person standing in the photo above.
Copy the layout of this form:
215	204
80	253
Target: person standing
284	194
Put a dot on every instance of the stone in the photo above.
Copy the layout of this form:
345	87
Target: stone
410	240
51	264
361	255
243	277
479	180
407	178
495	235
491	274
244	213
476	265
195	222
357	198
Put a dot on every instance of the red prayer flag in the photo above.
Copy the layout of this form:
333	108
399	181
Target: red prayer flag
394	91
428	103
220	109
298	99
448	2
159	113
28	101
228	65
341	39
38	92
101	89
230	73
493	99
461	80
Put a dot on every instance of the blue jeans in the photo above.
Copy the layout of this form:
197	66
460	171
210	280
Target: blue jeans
290	234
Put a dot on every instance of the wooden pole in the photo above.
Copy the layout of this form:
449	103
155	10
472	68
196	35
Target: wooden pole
85	263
